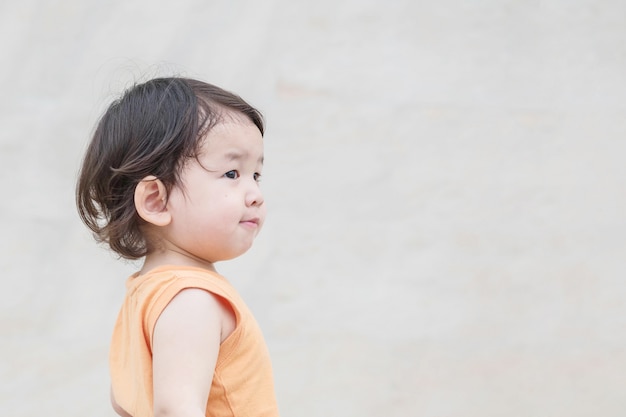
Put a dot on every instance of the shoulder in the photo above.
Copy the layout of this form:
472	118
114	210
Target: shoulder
157	288
182	291
193	306
197	310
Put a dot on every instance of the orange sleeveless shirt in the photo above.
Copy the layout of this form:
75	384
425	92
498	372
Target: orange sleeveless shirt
242	383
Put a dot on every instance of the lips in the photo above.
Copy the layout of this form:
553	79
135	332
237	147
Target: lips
253	222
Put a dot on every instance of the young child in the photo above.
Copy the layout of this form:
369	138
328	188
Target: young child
172	176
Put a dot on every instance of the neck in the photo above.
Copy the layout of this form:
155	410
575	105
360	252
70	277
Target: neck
162	258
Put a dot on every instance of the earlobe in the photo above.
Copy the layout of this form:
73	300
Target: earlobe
151	201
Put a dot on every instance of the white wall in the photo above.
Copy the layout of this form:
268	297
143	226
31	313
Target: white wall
446	187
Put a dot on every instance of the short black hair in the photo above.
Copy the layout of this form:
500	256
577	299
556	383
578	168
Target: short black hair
152	129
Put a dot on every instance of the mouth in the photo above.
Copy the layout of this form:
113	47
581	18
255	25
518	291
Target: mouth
253	222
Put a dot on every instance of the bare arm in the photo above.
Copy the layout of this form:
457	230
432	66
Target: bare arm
185	347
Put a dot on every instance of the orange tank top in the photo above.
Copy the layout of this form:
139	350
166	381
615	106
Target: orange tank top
242	383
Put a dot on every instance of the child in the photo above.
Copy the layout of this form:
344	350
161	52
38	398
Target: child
172	176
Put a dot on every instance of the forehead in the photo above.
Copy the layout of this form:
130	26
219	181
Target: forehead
233	138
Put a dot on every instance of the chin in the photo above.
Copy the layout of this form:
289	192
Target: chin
233	254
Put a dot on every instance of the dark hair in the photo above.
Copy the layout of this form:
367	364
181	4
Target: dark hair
151	130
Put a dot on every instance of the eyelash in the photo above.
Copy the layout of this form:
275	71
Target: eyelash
257	176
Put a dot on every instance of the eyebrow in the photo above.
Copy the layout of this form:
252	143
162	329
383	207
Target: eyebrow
237	155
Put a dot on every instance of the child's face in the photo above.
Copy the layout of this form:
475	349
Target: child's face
219	209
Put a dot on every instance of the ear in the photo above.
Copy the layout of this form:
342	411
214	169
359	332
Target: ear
151	201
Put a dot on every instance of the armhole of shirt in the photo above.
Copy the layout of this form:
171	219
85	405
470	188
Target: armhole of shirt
170	290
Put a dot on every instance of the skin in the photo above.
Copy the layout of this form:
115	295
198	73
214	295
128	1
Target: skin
214	215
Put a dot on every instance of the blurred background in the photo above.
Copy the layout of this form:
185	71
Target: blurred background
446	185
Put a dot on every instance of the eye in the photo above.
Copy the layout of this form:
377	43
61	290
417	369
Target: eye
233	175
257	177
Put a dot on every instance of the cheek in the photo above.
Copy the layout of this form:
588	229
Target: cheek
225	211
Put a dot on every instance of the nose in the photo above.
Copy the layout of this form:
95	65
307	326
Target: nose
254	196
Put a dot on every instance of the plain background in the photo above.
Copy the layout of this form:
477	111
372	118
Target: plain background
446	184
